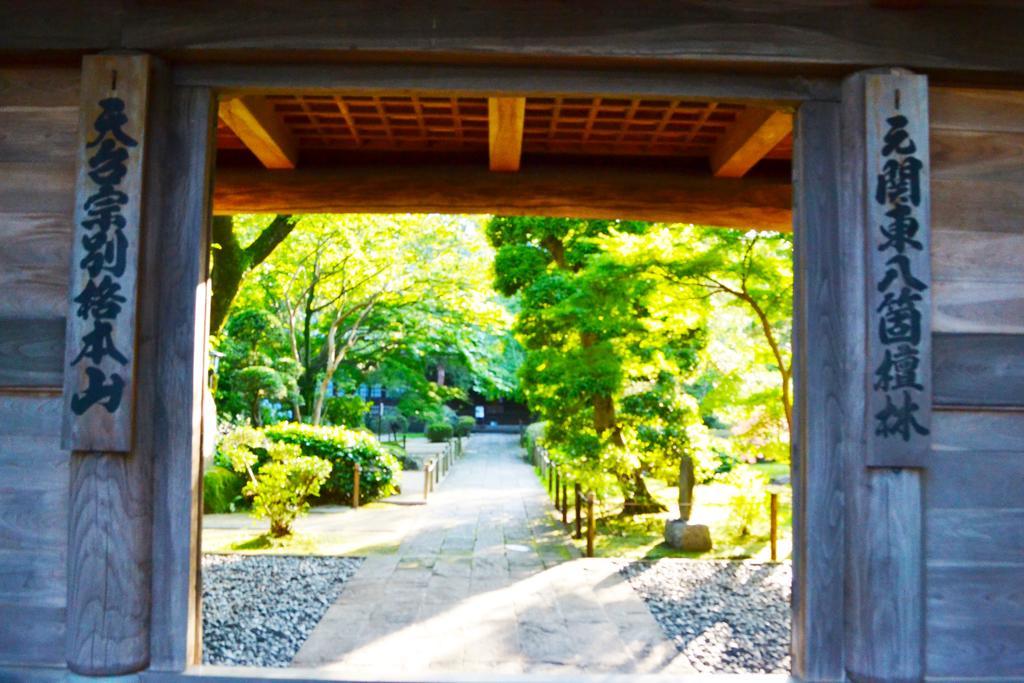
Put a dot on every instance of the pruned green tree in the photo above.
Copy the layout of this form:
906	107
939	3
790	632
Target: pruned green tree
598	335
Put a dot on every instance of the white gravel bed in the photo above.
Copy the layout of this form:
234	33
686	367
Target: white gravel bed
726	617
259	609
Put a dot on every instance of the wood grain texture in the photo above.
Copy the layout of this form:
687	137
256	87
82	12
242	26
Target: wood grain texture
109	562
977	595
988	205
969	536
977	256
33	88
172	355
505	119
977	155
884	592
964	306
34	263
958	653
33	577
103	425
981	479
584	191
39	135
676	31
31	353
462	79
978	370
976	109
31	635
30	187
978	431
755	133
820	378
253	119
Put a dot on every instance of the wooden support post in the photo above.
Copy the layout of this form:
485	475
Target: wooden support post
551	475
555	492
884	114
356	474
505	117
579	513
565	503
426	479
590	525
774	512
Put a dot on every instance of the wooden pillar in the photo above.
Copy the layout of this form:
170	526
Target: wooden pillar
173	357
824	426
884	545
108	561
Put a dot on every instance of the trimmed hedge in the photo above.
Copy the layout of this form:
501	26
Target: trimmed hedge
465	425
342	448
439	431
221	488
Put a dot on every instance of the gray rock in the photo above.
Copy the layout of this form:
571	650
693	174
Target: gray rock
689	537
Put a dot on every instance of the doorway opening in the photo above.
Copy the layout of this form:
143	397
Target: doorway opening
687	327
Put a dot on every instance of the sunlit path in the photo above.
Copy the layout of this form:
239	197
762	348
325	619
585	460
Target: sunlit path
482	580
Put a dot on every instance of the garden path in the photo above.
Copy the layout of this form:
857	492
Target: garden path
483	580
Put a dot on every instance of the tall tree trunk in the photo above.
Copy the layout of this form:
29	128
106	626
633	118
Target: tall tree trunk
639	500
231	261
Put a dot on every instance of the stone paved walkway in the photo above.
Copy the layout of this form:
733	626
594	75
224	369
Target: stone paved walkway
483	581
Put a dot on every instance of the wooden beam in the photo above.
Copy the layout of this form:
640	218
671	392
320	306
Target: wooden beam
505	118
755	133
582	191
253	119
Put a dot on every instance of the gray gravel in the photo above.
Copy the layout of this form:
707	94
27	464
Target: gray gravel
259	609
726	617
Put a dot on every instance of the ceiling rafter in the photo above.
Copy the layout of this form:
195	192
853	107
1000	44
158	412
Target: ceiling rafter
253	119
755	133
506	116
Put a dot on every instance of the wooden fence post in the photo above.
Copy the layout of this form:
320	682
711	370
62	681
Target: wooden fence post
357	472
565	503
775	525
579	515
590	525
426	479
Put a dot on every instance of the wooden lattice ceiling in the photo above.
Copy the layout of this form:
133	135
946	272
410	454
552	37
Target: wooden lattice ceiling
556	126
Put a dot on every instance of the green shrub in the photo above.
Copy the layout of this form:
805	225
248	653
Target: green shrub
532	436
465	425
439	431
285	482
342	448
346	411
222	489
748	504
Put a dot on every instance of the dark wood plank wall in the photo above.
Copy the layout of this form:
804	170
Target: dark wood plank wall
38	124
974	488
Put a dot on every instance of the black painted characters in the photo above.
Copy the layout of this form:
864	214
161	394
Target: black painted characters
106	248
898	190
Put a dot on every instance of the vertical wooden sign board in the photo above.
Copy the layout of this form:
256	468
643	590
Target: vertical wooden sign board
100	344
898	270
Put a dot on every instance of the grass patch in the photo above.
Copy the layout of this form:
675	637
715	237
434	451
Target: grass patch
641	536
